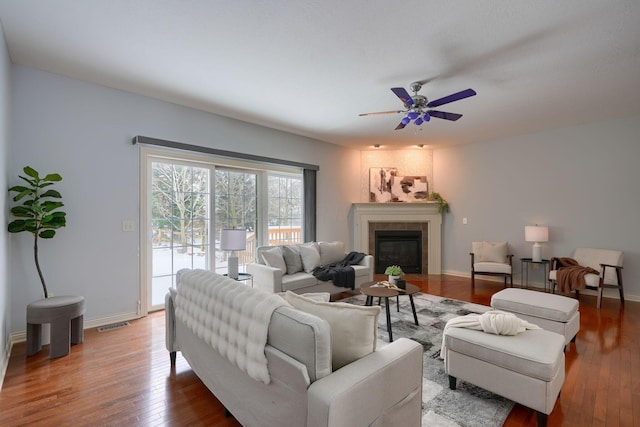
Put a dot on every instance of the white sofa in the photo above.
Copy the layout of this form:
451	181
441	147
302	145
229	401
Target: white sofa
288	267
382	388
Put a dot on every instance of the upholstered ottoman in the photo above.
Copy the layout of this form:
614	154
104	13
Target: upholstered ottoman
549	311
527	368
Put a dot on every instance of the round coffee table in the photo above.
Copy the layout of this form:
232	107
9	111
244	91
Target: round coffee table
371	291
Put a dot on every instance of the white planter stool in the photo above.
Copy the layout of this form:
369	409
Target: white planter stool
65	314
551	312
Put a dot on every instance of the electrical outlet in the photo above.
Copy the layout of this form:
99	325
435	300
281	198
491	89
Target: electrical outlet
464	221
128	226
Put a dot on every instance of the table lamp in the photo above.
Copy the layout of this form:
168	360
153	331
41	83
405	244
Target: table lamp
233	239
536	234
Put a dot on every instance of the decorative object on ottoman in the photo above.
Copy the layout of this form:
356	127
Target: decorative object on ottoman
65	314
527	368
551	312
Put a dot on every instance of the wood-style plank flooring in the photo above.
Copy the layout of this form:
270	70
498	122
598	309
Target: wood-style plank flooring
123	377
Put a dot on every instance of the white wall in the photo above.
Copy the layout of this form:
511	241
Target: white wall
84	131
581	181
5	291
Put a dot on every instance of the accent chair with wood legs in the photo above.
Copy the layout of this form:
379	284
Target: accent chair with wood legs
491	259
606	273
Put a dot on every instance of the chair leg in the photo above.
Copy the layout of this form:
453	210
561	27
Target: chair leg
619	276
600	289
473	280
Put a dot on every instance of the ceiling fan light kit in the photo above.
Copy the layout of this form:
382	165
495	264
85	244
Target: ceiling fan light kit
418	107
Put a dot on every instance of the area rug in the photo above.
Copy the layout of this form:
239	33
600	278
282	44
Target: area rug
468	405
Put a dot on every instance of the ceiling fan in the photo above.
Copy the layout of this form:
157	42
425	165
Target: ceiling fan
418	107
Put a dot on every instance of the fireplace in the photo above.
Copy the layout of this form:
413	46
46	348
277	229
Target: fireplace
398	247
366	218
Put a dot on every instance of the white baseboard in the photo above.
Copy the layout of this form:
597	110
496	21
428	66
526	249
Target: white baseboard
5	360
608	293
21	336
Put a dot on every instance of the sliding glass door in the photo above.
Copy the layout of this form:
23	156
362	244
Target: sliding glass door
180	224
188	199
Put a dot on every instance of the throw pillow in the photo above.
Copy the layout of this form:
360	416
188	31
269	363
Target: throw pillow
493	252
292	258
331	252
354	328
318	296
310	257
273	258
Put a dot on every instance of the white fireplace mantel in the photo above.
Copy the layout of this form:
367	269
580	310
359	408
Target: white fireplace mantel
365	213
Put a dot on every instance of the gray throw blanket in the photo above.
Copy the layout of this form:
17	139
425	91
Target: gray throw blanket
340	273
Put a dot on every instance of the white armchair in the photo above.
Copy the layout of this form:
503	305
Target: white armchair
491	259
607	262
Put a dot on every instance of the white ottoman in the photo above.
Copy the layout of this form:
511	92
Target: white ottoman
527	368
549	311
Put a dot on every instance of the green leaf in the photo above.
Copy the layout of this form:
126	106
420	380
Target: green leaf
47	234
16	226
31	172
21	211
19	188
51	193
31	182
52	177
19	197
48	206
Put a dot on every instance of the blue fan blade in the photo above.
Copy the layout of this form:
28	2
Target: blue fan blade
442	115
453	97
400	126
403	95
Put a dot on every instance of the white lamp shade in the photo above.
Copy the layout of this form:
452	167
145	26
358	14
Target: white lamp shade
536	233
233	239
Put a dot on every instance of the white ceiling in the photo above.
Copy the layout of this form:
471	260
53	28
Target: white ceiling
311	66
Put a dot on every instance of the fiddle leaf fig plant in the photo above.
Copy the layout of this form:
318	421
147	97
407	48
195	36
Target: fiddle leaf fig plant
38	212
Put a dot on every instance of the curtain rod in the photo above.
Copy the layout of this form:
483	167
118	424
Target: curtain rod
138	139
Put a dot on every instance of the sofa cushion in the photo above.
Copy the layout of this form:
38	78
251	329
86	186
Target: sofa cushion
292	282
331	252
354	328
273	258
291	254
310	256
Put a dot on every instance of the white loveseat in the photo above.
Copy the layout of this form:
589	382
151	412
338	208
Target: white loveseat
381	388
289	267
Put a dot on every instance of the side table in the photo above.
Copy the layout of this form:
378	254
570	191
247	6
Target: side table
65	314
524	268
242	277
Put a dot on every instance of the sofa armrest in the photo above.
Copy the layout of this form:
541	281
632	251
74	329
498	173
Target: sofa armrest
385	387
267	278
367	261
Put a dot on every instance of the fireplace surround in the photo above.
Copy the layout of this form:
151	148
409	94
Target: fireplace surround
367	217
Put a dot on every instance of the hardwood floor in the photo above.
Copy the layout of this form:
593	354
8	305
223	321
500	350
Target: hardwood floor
123	377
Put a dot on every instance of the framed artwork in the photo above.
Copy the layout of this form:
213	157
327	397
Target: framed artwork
380	182
385	185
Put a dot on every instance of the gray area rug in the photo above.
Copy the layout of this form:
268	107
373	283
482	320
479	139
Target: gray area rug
468	405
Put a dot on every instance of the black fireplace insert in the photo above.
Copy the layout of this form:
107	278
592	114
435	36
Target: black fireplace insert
398	247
